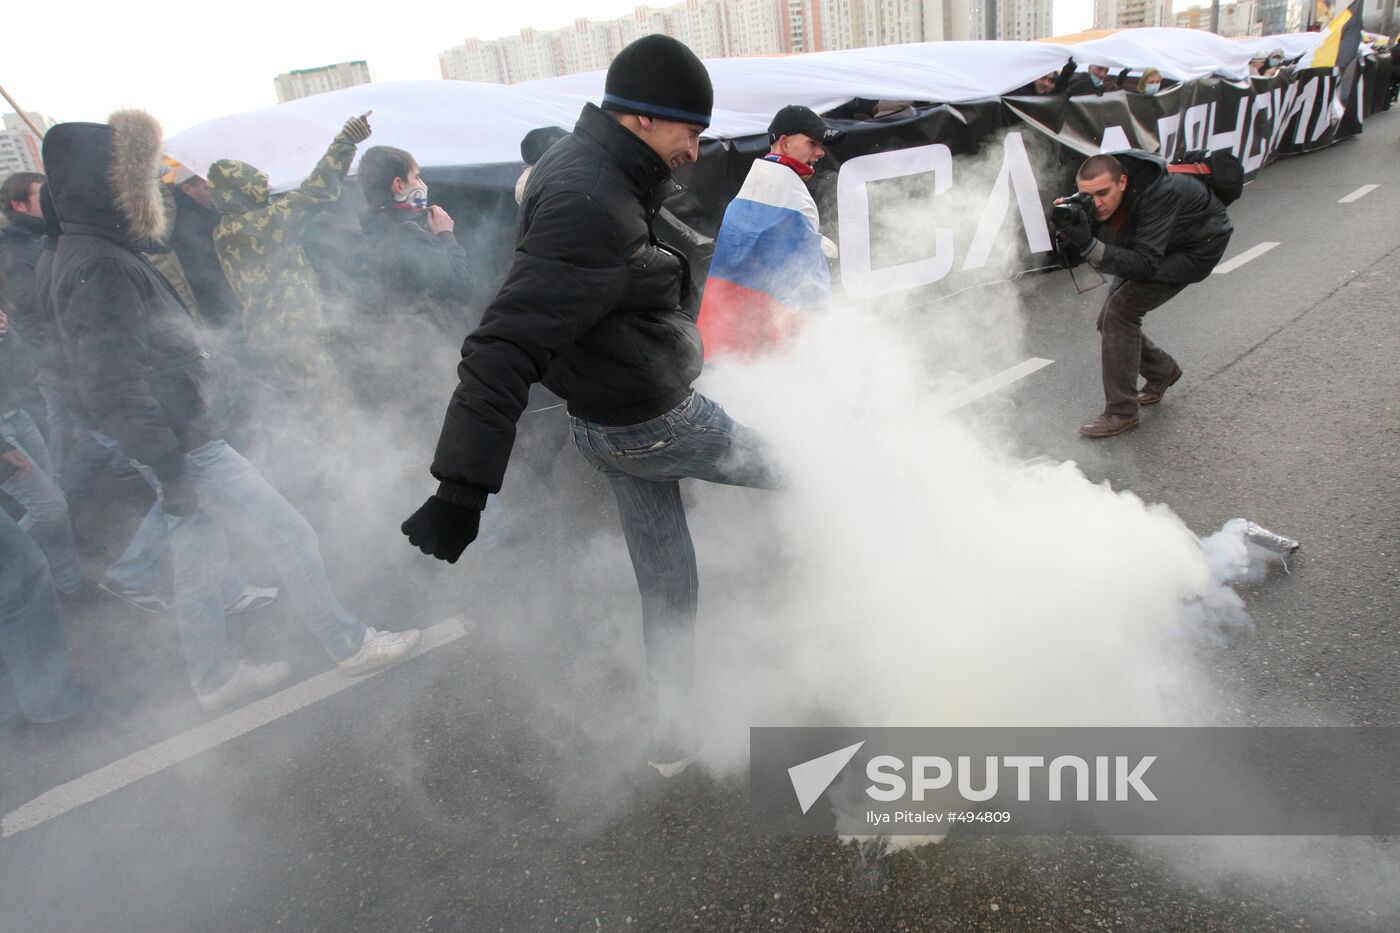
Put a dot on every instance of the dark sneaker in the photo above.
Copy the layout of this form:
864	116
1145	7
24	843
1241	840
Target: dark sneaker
125	470
252	599
85	596
146	602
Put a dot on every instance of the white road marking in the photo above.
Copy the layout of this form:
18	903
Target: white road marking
1358	194
176	749
992	384
1254	252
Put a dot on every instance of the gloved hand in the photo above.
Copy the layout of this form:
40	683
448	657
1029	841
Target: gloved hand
1078	234
357	129
178	496
442	529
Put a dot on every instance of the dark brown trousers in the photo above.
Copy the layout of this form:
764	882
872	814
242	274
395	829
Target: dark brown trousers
1127	353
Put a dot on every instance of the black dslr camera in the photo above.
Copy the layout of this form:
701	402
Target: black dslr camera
1068	211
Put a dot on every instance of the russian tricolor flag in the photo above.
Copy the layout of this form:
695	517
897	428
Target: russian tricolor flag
768	264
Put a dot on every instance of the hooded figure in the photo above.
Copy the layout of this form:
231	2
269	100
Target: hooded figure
133	349
129	341
258	242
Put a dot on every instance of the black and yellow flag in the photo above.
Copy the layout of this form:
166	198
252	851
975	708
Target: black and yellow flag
1340	38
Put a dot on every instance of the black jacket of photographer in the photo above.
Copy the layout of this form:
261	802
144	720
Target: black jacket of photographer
129	341
1170	228
594	306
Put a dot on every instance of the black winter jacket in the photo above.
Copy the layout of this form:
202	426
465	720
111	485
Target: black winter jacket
192	239
21	241
127	338
415	271
1175	229
594	306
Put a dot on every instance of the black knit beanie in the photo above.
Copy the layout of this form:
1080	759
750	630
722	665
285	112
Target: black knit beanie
537	142
658	76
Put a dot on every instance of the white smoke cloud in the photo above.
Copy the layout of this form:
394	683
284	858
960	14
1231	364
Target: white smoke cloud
914	573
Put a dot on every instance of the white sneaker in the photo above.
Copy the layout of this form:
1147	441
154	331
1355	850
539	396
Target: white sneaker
247	680
380	649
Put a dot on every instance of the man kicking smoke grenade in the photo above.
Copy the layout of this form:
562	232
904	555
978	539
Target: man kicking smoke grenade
1155	232
602	312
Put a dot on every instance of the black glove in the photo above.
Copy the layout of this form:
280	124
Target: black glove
442	529
178	496
1078	234
357	129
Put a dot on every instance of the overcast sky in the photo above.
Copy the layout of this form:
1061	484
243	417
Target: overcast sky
190	62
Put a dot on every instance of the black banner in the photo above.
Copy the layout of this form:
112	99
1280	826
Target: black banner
940	197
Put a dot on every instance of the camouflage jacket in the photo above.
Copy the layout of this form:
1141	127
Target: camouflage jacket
258	242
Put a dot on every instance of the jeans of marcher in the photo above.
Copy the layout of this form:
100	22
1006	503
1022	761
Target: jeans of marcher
139	568
45	508
32	643
1127	353
233	493
644	464
90	454
60	418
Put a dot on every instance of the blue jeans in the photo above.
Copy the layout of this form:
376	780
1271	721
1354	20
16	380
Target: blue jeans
644	464
45	508
233	493
60	416
32	644
90	454
139	568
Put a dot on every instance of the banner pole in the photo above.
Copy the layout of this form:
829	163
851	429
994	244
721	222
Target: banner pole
30	123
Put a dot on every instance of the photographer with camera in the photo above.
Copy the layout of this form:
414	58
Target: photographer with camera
1155	231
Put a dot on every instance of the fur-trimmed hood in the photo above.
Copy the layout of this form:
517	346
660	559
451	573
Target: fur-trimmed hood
107	176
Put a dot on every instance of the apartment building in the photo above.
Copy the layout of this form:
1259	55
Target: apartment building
738	28
297	84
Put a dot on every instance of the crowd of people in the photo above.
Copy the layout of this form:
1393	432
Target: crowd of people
149	313
151	308
1099	79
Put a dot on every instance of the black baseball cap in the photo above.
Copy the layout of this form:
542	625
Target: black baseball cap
794	119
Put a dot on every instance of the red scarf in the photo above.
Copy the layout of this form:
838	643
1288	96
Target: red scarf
803	170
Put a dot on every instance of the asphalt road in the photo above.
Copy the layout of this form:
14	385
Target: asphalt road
455	793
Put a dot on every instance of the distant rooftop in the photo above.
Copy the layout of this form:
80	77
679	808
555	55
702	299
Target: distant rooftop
307	71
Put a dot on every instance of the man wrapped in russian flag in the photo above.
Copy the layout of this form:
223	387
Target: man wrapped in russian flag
770	260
